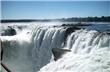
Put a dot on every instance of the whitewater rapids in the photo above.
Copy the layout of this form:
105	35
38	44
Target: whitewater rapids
90	53
30	50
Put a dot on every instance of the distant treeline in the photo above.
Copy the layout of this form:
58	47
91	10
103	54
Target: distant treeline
22	20
88	19
73	19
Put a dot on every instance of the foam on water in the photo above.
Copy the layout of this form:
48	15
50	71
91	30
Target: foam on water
30	50
90	53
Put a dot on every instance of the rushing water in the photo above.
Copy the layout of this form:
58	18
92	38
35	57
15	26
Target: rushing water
30	50
90	53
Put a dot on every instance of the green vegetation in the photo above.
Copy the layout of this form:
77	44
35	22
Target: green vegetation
87	19
73	19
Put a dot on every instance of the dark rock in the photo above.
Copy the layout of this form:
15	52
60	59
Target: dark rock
9	31
57	52
70	30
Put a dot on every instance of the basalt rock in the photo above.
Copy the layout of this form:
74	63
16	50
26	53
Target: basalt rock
57	52
9	31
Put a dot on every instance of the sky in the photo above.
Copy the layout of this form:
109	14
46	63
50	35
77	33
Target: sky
53	9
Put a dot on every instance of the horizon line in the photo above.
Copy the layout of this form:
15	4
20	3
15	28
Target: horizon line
49	18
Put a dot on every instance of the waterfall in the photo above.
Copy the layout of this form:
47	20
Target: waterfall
31	51
90	52
44	39
84	41
28	52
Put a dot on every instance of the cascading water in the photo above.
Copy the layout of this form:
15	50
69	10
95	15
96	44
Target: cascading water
28	52
84	41
31	51
90	52
44	39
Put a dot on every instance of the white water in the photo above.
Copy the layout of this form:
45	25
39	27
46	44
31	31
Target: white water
31	52
28	52
90	53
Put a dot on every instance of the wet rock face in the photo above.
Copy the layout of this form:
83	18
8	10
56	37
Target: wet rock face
1	52
57	52
69	30
8	31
